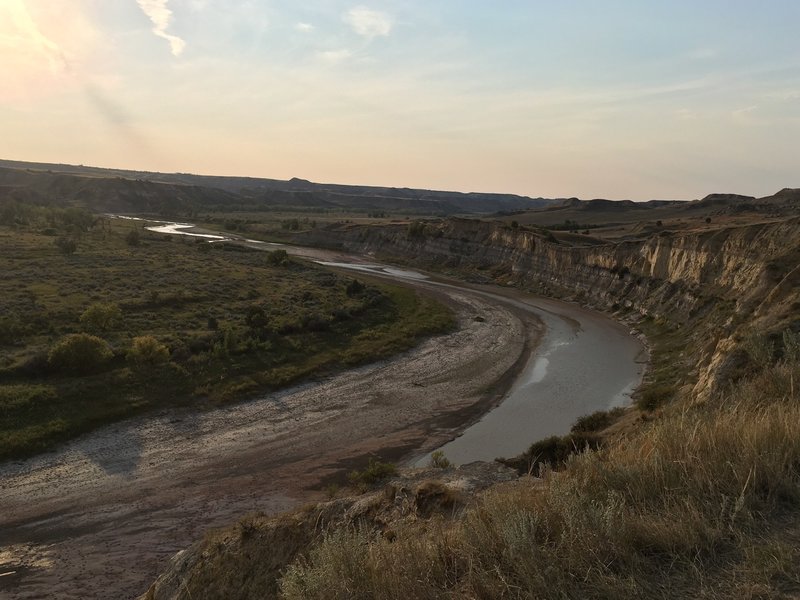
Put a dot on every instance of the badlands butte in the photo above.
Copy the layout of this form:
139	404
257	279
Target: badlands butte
693	490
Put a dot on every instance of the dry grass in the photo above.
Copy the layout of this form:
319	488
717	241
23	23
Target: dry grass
700	504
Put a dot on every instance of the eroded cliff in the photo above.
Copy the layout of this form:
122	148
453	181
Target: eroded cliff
721	282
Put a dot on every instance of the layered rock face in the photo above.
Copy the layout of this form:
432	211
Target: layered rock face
745	276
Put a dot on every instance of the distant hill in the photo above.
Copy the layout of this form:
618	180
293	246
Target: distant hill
143	191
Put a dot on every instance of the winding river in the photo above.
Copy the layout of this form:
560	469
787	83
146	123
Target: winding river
99	516
585	362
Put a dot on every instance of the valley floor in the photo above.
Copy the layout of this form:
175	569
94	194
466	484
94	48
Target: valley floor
99	517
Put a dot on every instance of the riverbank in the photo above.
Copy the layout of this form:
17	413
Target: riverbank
100	517
146	489
166	321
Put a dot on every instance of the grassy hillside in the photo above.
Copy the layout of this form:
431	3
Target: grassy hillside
701	503
100	319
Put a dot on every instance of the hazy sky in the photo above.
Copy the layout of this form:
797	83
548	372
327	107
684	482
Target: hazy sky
620	99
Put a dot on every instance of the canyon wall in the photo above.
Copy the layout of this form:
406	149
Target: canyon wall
721	282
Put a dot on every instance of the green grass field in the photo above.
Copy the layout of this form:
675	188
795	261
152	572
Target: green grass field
174	322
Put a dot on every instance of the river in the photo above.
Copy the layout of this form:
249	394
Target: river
99	516
585	362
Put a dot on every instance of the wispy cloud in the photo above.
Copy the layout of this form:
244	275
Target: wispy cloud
703	53
744	113
160	15
304	27
335	56
368	23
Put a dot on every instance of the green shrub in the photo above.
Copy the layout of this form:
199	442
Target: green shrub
278	258
416	230
552	452
655	396
256	318
375	472
66	245
439	460
146	351
597	420
79	353
101	316
355	287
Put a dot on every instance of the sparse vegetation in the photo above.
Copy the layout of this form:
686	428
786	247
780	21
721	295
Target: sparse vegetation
226	324
416	230
597	420
101	316
552	452
79	354
439	460
375	472
66	245
147	353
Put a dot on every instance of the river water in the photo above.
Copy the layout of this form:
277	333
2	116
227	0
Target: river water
585	362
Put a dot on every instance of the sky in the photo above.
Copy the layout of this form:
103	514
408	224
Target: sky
635	99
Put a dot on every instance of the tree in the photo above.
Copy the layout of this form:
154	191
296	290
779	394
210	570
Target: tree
147	352
101	316
80	353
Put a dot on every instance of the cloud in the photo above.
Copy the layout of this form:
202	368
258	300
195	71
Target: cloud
703	53
335	56
744	113
160	15
304	27
368	23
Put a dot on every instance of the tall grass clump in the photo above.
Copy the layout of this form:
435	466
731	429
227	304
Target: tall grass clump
701	503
